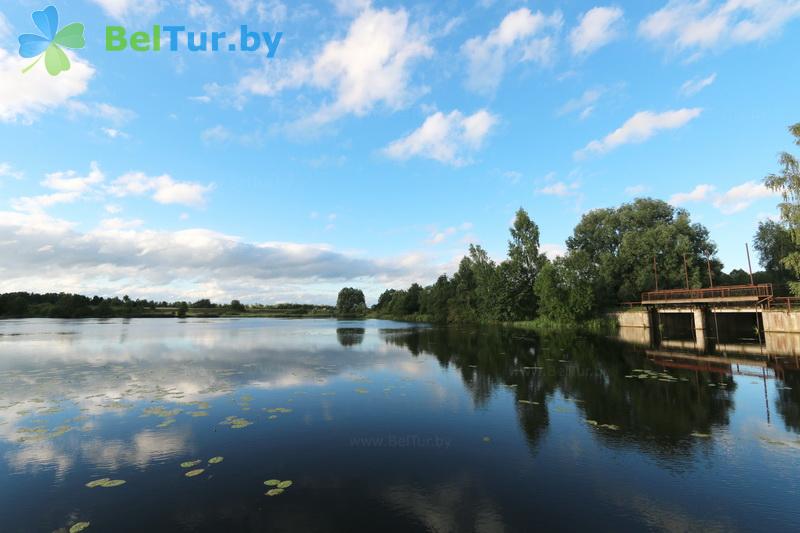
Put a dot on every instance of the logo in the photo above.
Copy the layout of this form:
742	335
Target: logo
174	37
50	42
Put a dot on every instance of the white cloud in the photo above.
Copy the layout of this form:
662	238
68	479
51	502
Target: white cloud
584	104
695	85
597	27
521	36
639	128
705	24
119	257
732	201
368	66
559	188
351	7
439	236
241	7
200	9
119	224
37	204
741	197
553	250
24	97
70	181
124	10
217	134
163	189
69	187
698	194
7	171
272	12
445	138
113	133
101	110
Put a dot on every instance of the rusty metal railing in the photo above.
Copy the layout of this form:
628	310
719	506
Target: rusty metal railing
730	291
783	302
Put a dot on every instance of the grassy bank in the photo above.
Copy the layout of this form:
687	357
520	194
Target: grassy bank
600	326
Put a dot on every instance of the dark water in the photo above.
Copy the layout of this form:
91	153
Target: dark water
385	427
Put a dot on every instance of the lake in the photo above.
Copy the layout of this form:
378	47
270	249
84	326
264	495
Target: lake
383	426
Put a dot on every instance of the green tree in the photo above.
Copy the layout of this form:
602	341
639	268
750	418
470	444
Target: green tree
183	308
435	300
565	288
773	242
787	183
237	306
621	243
412	300
462	306
351	302
525	262
384	301
487	281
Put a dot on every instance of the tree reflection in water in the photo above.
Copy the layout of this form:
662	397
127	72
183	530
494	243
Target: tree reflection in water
592	372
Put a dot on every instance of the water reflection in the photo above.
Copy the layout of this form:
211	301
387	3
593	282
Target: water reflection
334	405
592	374
350	336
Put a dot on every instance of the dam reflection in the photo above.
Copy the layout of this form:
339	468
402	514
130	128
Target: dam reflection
726	334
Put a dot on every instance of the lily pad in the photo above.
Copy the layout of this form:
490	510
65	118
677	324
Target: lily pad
98	482
113	483
235	422
285	484
274	492
166	423
189	464
272	482
79	526
195	472
216	460
700	435
487	439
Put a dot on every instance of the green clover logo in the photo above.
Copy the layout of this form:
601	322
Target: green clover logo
47	44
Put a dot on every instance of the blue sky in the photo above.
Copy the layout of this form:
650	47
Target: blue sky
380	139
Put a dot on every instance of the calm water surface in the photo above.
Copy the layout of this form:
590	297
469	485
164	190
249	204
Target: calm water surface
383	426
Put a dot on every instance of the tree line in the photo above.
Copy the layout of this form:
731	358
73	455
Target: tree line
67	305
612	257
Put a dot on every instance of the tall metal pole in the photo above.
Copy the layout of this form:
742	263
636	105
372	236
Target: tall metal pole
655	271
710	279
749	266
685	271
